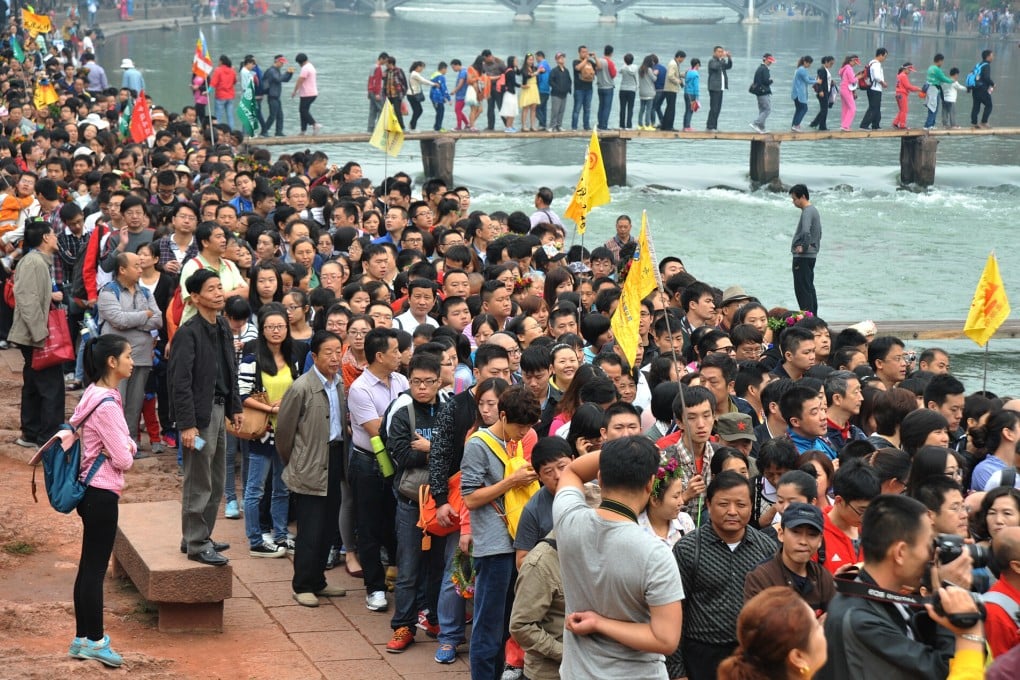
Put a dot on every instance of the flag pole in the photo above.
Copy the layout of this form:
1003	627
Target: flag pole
984	380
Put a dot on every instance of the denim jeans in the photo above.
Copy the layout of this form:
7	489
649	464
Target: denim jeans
224	111
645	114
543	108
440	112
800	110
418	573
451	605
275	117
688	110
493	579
582	100
263	460
605	107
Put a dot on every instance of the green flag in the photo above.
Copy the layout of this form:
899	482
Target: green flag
19	53
124	122
246	109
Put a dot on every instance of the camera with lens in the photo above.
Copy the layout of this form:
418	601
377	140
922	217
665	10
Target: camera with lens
948	547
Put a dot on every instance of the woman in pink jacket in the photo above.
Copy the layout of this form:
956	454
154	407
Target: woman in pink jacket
848	91
903	89
100	418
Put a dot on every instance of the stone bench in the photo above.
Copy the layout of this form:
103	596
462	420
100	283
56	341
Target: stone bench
189	595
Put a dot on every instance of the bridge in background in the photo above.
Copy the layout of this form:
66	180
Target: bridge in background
524	10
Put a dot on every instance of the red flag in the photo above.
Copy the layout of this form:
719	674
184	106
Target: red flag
141	120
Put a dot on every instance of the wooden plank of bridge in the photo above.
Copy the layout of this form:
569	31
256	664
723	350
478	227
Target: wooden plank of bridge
927	329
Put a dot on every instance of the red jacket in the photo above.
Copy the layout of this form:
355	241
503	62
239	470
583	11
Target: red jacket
839	548
223	82
1002	632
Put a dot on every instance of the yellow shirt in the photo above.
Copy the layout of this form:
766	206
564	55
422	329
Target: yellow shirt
275	386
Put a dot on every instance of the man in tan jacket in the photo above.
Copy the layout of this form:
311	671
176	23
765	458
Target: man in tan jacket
312	438
42	392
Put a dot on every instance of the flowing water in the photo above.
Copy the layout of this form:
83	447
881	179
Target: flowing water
887	253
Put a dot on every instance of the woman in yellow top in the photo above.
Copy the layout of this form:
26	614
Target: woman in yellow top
268	367
529	97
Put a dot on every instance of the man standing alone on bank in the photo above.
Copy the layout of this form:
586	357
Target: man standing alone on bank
718	81
806	242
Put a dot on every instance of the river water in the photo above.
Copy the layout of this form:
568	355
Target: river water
886	252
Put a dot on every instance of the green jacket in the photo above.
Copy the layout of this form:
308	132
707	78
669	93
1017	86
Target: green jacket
936	76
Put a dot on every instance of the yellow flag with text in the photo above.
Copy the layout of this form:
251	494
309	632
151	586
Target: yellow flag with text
36	23
990	307
388	136
44	95
592	188
641	280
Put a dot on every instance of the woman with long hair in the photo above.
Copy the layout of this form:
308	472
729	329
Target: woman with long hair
103	430
934	461
779	638
270	369
266	285
1002	437
476	79
571	397
529	98
415	91
354	362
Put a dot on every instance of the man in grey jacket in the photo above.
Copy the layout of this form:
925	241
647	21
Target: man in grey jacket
312	441
272	85
806	242
129	310
718	81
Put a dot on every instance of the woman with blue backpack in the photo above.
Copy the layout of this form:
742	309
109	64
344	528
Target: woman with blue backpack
99	419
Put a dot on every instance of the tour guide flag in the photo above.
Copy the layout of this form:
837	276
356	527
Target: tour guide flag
141	120
246	109
202	64
388	136
45	94
640	281
36	23
592	188
989	308
17	50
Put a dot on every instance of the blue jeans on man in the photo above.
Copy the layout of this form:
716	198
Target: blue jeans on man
418	573
225	112
543	108
582	100
493	580
605	107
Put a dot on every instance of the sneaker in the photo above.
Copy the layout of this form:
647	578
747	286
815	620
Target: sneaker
306	599
232	511
267	550
756	127
4	344
267	537
101	652
74	651
431	629
512	673
316	129
796	128
403	638
286	543
376	601
68	377
334	558
170	440
446	654
157	447
331	591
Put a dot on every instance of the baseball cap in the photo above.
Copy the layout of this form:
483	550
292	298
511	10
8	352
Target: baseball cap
733	426
802	514
560	54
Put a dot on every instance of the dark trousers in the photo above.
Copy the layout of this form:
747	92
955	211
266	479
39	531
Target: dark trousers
823	114
714	107
395	103
375	508
702	659
305	113
495	102
605	107
317	518
415	111
275	116
440	108
981	96
669	117
627	108
543	108
42	400
688	110
804	283
98	512
419	574
657	101
873	116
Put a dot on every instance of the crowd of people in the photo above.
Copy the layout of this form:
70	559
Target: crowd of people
316	346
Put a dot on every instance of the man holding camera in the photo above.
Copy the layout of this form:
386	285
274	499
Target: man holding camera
873	629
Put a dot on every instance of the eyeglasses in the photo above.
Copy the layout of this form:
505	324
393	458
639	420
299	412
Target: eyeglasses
516	351
954	473
357	334
729	349
292	308
423	382
275	327
859	512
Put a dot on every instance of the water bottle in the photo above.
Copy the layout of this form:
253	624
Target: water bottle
90	325
382	457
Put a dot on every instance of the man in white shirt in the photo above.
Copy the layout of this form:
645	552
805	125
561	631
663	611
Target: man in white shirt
874	113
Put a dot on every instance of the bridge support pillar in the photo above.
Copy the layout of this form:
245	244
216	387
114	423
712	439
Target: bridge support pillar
437	158
764	161
917	160
614	157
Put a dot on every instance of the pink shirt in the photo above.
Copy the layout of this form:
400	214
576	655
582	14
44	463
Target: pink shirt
308	86
104	431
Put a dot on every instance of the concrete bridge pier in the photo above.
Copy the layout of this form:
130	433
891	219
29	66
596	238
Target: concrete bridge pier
614	157
380	10
437	158
917	160
764	160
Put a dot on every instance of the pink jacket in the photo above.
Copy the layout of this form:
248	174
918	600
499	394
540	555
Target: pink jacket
104	431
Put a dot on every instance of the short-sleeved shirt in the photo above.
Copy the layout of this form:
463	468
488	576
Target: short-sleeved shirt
230	278
984	470
839	548
536	521
461	89
308	87
481	468
368	400
621	589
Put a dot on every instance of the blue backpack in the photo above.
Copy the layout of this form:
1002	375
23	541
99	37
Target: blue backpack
973	76
62	468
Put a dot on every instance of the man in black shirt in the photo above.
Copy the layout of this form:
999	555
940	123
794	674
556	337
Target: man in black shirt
584	75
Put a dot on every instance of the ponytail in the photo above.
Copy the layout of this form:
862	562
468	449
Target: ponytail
97	352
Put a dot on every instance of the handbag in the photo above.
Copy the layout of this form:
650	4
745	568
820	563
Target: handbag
427	521
256	421
412	479
58	347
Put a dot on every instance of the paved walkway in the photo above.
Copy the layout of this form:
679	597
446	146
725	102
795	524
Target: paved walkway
338	639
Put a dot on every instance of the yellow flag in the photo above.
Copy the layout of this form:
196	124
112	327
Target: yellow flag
592	188
388	136
36	23
641	280
990	307
45	95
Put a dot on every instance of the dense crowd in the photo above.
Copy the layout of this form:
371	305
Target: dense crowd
317	347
